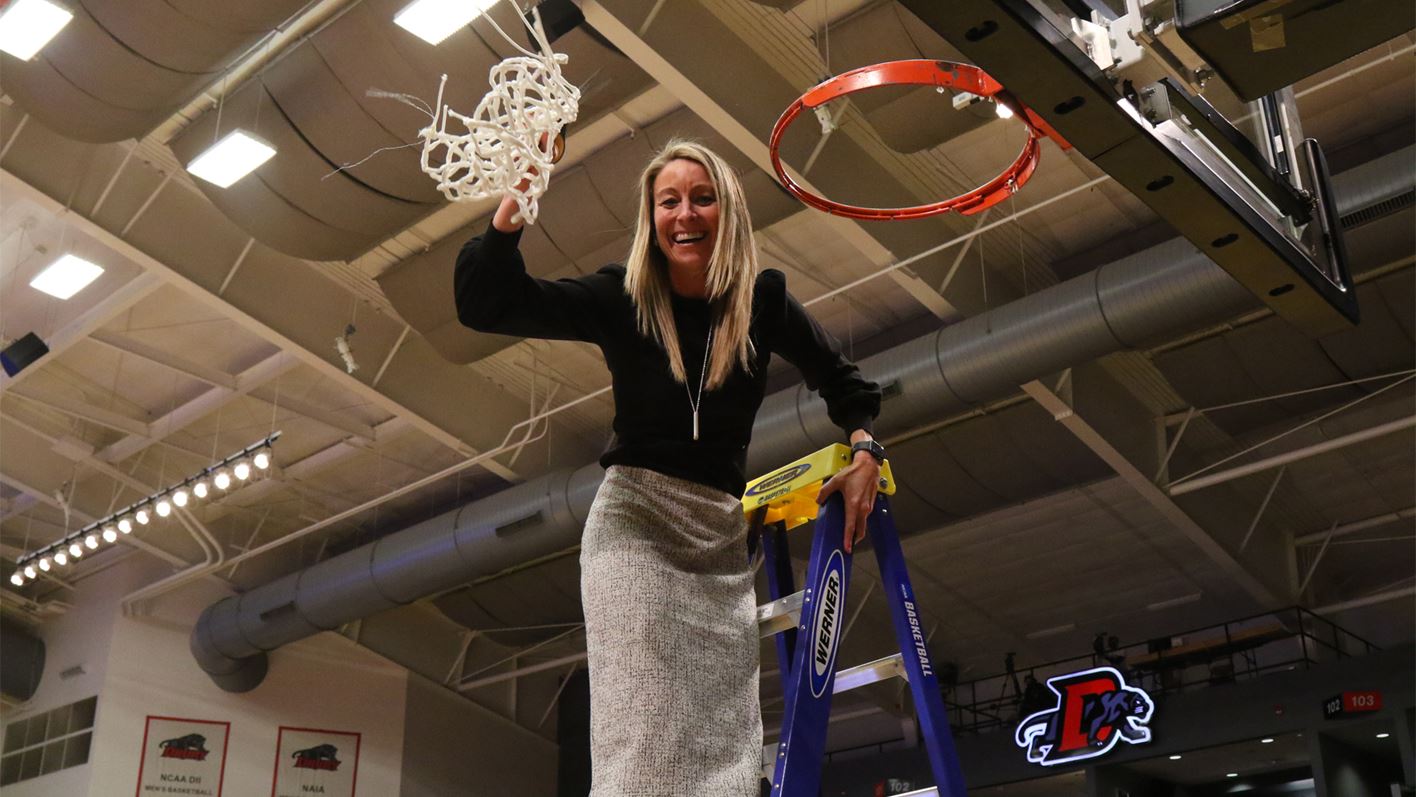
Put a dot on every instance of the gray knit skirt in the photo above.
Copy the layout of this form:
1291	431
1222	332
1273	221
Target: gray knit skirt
672	638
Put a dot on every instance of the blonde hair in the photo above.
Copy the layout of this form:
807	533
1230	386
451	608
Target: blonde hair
732	269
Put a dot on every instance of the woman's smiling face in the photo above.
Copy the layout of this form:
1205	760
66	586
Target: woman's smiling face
685	216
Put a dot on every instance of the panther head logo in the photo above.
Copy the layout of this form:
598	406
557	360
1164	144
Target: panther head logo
1095	709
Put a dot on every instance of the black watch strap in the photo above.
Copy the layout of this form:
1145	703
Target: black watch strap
871	447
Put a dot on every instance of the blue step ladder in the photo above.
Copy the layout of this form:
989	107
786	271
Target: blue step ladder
808	623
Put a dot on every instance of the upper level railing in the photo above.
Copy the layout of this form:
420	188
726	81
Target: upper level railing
1250	647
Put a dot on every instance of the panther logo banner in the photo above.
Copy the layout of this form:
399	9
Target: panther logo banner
1095	709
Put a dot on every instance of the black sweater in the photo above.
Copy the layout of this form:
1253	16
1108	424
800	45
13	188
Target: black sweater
653	416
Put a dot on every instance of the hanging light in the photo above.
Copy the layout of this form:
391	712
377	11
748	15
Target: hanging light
242	463
17	579
30	573
236	155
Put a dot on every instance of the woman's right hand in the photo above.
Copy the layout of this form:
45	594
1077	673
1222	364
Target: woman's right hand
505	219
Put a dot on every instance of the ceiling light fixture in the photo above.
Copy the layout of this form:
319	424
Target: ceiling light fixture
1268	740
1383	735
66	276
435	20
1231	774
236	155
27	25
71	547
1176	757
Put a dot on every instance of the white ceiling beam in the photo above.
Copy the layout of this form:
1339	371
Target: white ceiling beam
132	292
187	413
1086	433
130	345
41	496
362	431
17	506
87	412
14	186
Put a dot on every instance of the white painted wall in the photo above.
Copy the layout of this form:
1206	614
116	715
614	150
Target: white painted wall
325	682
80	637
419	739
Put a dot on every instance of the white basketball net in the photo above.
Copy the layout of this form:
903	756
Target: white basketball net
498	146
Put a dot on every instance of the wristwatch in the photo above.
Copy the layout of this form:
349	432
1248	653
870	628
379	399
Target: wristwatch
871	447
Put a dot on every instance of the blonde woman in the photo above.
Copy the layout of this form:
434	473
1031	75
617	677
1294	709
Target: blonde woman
687	326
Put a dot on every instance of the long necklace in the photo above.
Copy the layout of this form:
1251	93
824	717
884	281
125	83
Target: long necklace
695	401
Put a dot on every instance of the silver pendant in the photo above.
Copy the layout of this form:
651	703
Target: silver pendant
695	424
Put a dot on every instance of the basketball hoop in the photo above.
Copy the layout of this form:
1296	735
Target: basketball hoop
920	72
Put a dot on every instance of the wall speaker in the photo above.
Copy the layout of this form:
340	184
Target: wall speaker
22	352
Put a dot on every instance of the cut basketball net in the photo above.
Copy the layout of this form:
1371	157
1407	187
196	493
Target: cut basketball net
514	135
920	72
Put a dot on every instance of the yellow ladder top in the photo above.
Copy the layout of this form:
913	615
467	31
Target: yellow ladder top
789	492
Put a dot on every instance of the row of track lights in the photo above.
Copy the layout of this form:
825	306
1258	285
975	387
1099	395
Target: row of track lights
235	469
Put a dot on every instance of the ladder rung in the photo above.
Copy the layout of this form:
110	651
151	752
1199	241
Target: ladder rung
780	614
869	673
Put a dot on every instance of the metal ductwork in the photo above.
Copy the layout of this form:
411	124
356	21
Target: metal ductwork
1161	292
121	67
344	178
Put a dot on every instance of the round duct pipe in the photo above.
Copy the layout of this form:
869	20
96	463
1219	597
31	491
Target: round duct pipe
121	68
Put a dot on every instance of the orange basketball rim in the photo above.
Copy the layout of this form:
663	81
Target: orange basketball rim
920	72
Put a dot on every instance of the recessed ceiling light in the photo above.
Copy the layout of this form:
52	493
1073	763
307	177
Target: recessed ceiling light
435	20
28	25
236	155
1232	775
1175	758
1266	741
66	276
1383	735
